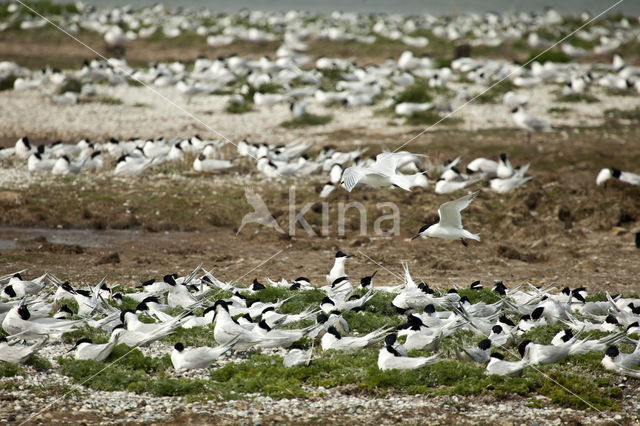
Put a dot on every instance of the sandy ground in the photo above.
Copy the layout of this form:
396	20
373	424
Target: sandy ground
151	112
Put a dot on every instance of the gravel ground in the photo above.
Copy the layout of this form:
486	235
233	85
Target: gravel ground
31	112
33	402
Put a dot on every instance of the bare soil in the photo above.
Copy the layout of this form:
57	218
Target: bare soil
559	228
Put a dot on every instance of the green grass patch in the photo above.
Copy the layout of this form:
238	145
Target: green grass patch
495	94
8	369
239	108
419	92
108	100
577	97
307	120
424	118
70	85
559	110
553	55
7	83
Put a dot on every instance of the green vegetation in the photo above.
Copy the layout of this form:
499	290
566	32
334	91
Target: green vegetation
8	369
47	8
418	92
39	363
429	118
307	120
494	94
553	55
239	108
128	369
558	110
611	91
615	115
577	97
70	85
108	100
6	83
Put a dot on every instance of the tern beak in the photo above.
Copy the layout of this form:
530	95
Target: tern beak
351	255
415	236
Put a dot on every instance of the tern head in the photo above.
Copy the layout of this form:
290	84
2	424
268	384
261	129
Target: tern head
366	281
522	347
568	335
422	231
67	287
612	352
169	279
484	344
390	339
496	329
430	309
414	322
83	340
503	157
322	318
504	320
65	309
142	306
611	319
476	285
497	355
124	316
9	291
263	325
332	330
340	254
255	285
633	325
391	350
537	313
327	301
500	288
294	286
24	313
178	347
18	276
221	304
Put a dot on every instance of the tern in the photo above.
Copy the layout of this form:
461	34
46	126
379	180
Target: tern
450	225
382	173
298	357
86	349
391	359
338	267
608	173
202	357
17	354
498	366
333	340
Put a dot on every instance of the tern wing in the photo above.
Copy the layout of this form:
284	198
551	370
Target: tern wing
352	176
450	212
254	200
388	162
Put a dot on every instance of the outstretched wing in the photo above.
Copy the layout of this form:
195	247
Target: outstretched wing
388	162
255	201
352	176
450	212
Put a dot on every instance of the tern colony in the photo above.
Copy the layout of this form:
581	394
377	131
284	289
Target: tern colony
298	80
35	313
